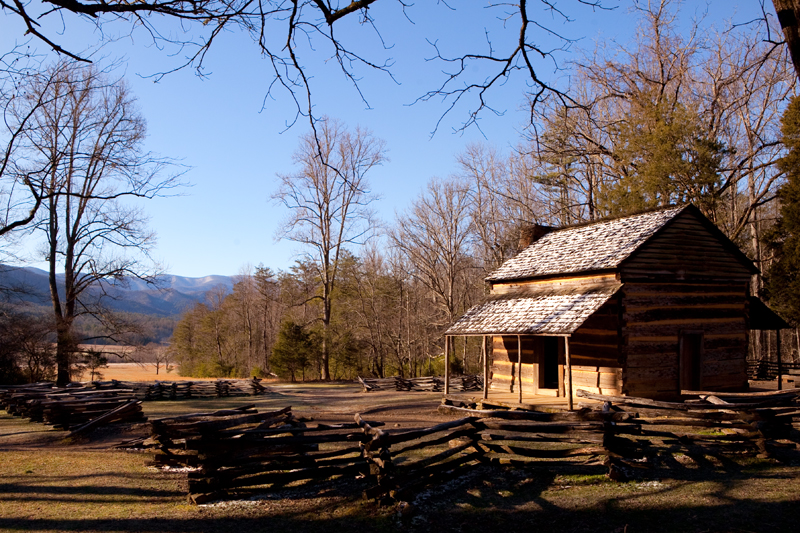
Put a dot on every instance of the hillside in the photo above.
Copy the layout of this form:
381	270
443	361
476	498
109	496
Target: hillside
169	296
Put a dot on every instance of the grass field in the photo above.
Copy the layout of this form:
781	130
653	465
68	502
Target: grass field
46	486
141	372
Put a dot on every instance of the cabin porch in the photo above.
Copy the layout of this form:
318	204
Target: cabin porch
509	400
539	371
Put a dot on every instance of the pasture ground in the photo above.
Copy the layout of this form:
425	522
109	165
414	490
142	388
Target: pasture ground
143	372
47	485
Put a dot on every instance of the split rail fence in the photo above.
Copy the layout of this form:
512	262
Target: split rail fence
81	407
187	390
242	448
77	409
425	384
238	448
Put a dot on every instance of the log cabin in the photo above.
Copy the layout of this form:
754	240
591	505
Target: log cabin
644	305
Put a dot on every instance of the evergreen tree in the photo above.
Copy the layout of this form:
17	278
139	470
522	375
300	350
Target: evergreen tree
294	351
666	158
783	280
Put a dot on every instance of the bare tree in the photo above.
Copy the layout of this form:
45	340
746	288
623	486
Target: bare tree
527	39
436	237
504	198
21	194
329	203
152	353
90	134
270	309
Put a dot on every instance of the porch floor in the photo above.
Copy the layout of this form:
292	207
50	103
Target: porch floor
511	400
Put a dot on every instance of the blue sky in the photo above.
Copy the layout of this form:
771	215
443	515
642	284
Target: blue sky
234	149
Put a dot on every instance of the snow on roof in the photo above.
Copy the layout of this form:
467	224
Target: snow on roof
597	246
533	311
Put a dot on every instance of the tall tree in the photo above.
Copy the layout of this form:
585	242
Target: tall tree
269	309
675	115
91	134
788	12
436	237
329	203
503	199
784	275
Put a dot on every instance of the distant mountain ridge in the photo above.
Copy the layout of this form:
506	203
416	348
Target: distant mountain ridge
170	296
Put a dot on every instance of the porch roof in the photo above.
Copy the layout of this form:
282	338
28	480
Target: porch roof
762	317
534	311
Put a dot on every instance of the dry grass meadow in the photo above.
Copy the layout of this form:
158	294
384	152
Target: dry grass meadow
142	372
49	485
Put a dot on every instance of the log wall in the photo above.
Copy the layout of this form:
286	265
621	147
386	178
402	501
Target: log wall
654	317
595	351
684	280
504	363
686	250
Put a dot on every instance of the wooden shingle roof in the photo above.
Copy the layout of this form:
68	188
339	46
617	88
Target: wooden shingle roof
598	246
534	311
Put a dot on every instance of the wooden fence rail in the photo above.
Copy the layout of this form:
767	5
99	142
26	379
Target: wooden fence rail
422	384
768	370
186	390
240	448
71	408
244	448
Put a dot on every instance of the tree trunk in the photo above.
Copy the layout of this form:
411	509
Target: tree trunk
788	12
324	372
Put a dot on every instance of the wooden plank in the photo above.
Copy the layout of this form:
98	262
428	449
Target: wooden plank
634	289
667	373
661	331
447	343
585	379
519	360
568	371
695	322
583	360
132	405
604	369
671	315
595	353
657	275
589	279
598	321
485	355
725	354
654	360
609	381
602	341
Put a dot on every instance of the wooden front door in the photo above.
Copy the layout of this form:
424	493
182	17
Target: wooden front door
691	361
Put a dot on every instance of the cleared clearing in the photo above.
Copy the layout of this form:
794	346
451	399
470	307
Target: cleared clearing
48	485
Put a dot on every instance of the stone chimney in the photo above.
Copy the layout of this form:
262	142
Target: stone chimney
530	234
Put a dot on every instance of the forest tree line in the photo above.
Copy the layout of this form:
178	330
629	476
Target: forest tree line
685	112
674	117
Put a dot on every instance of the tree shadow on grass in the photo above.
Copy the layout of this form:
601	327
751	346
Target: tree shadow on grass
89	488
690	493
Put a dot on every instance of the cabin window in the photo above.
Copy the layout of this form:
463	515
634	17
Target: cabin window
691	361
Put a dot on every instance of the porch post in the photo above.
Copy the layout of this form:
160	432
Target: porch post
519	365
780	365
569	373
485	369
447	364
